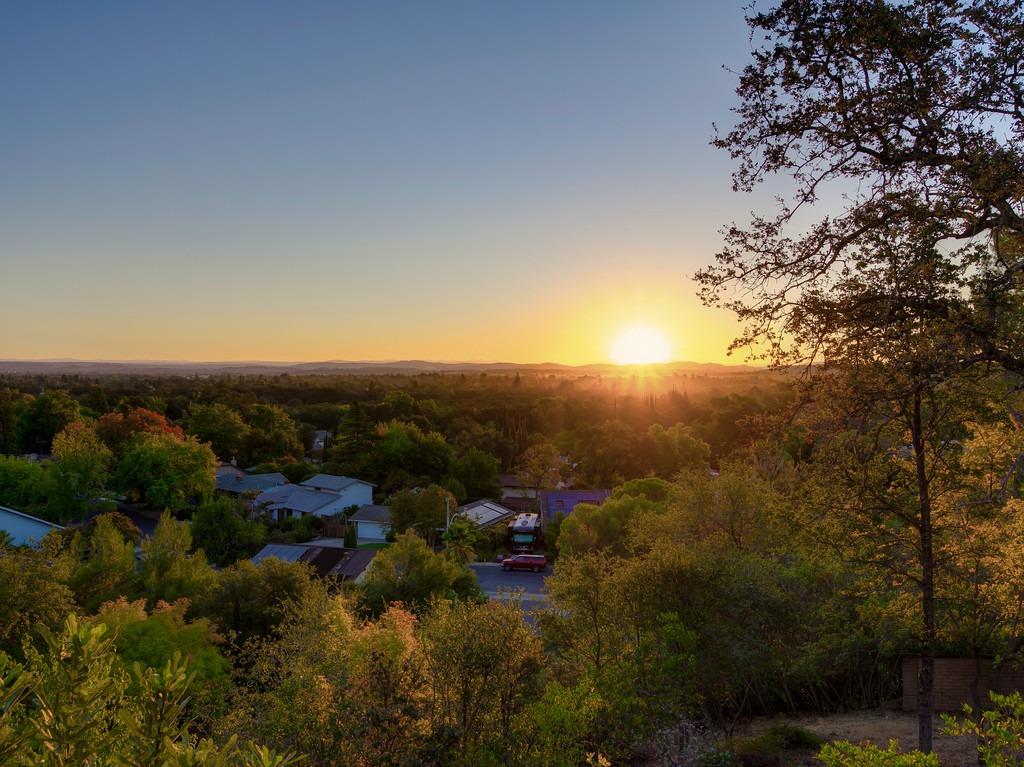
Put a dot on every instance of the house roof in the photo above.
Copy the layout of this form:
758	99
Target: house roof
565	501
332	482
41	523
289	552
485	513
326	560
373	513
509	480
353	563
247	483
295	498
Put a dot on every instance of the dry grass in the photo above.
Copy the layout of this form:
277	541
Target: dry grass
878	727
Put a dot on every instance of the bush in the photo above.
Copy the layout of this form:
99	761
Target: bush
791	737
768	747
845	754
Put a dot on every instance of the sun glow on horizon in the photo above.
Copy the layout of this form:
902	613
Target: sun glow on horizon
640	345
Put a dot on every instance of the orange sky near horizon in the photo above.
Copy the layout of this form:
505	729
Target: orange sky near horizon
576	328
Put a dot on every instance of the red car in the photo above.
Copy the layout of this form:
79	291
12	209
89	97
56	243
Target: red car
532	562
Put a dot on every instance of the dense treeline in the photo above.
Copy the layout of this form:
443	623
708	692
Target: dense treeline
399	433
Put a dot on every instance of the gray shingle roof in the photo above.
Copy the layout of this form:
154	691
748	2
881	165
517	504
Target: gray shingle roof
373	513
250	482
332	482
296	498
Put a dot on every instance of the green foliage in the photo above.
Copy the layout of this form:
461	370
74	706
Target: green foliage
677	448
410	573
71	706
34	591
460	540
152	640
250	600
220	529
25	486
81	471
483	664
406	456
999	730
272	435
219	425
42	418
106	566
604	527
166	472
775	741
562	727
477	472
168	571
845	754
423	512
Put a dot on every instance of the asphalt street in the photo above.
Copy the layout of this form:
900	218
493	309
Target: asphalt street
498	584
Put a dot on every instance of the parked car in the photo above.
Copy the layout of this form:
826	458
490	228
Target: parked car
532	562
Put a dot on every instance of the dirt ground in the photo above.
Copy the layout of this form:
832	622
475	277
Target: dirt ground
878	727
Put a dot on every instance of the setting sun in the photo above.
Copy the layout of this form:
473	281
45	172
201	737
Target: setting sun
640	345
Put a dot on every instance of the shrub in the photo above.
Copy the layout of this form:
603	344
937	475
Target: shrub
845	754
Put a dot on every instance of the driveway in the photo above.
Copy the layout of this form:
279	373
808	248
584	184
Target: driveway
498	584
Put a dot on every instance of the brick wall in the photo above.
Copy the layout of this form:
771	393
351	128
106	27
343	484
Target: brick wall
953	679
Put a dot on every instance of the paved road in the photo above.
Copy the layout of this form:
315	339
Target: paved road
497	583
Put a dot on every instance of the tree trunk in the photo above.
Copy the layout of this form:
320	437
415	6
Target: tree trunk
926	670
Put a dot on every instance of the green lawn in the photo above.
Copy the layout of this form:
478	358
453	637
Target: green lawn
373	545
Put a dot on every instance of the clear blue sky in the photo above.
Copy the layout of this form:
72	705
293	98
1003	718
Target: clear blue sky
444	180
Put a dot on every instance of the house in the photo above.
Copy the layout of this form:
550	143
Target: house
486	513
355	492
297	501
324	495
229	470
372	523
24	529
513	487
555	502
327	556
237	482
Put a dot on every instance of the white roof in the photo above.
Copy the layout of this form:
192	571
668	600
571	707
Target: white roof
485	513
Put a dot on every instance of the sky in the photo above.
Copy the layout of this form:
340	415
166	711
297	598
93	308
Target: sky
363	180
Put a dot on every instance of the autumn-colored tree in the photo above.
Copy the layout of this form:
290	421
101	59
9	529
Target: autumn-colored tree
118	428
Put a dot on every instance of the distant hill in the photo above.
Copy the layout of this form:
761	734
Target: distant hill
398	367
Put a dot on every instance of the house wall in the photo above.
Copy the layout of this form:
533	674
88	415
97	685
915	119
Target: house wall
356	495
954	677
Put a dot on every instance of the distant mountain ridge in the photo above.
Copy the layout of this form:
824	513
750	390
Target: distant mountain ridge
327	367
